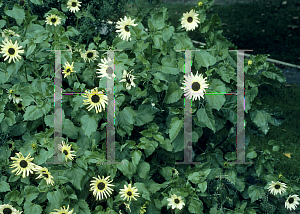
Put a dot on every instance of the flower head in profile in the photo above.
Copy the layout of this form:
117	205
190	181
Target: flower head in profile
53	19
189	20
95	99
68	69
23	165
129	192
292	202
89	55
103	69
7	34
11	50
63	211
194	86
123	28
12	95
128	78
44	173
277	187
73	5
66	149
100	187
6	208
175	202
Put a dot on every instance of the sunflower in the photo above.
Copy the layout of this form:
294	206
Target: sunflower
23	165
277	187
194	86
101	187
89	55
123	28
73	5
53	19
44	173
128	78
9	33
66	149
249	62
20	106
11	145
175	202
68	69
15	97
129	193
103	69
190	20
11	50
95	99
63	211
292	202
6	208
34	146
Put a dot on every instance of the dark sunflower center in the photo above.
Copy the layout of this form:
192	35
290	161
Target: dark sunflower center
101	186
90	55
7	211
195	86
74	4
20	105
23	163
190	19
46	175
11	51
291	200
95	98
68	70
53	20
65	152
10	146
129	193
22	2
16	95
176	201
67	47
277	186
122	206
126	28
128	79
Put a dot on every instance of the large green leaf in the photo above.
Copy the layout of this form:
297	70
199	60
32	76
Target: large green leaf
69	129
196	206
35	112
4	186
205	116
143	190
169	65
255	193
144	114
89	125
32	208
182	41
56	197
9	120
173	94
143	170
125	119
31	193
261	119
175	127
204	59
75	175
136	156
216	101
128	168
17	12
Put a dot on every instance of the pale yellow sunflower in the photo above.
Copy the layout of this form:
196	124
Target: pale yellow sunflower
277	187
68	69
175	202
189	20
194	86
20	106
292	202
66	149
128	78
44	173
7	34
129	192
63	211
6	208
23	165
53	19
103	69
100	187
12	95
89	55
73	5
123	28
95	99
11	50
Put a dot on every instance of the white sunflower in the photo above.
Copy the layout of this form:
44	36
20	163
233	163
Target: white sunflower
6	208
277	187
53	19
44	173
89	55
63	211
23	165
68	69
128	78
11	50
13	96
66	149
123	28
7	33
100	187
189	20
95	99
194	86
103	69
175	202
73	5
129	192
292	202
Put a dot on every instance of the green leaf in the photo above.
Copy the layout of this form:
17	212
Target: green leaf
158	21
144	114
32	208
205	116
89	125
17	12
255	193
4	186
274	73
166	172
216	101
9	120
136	156
158	42
173	93
202	186
204	59
169	65
38	2
128	168
125	119
143	170
4	75
167	33
35	112
31	193
56	197
182	41
143	190
147	145
178	143
69	129
175	127
15	196
43	156
251	155
196	206
30	49
76	175
261	118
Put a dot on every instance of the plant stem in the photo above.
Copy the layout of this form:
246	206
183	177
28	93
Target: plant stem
26	75
7	22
